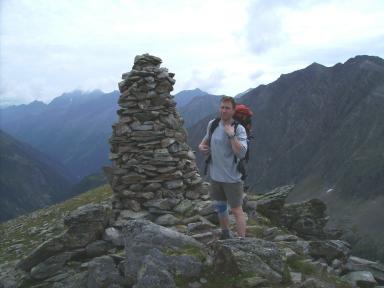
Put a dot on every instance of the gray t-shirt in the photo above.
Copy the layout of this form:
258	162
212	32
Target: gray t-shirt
222	167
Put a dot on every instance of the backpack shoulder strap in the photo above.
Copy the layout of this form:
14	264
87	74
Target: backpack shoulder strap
236	124
212	128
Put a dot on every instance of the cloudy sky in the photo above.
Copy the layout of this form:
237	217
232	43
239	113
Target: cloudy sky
223	47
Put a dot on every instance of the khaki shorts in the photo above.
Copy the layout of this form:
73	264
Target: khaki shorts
233	193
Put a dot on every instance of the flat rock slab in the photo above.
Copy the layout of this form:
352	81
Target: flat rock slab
363	279
329	249
249	255
149	246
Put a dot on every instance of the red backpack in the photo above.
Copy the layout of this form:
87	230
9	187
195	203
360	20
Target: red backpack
243	114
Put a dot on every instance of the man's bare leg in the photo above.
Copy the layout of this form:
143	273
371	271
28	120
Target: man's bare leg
240	220
224	222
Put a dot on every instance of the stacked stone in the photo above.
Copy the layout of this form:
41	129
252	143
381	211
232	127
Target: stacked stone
151	160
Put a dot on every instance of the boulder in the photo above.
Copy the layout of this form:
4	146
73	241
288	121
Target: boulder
329	249
113	235
50	266
249	255
43	251
359	264
271	203
307	218
151	275
147	243
97	248
167	220
363	279
184	206
102	272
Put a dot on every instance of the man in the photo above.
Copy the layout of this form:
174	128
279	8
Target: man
226	183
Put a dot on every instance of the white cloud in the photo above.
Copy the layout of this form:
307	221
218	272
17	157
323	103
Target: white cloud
49	47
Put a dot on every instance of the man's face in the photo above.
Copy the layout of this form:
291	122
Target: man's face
226	110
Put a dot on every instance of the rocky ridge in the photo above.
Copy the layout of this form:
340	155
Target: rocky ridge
96	251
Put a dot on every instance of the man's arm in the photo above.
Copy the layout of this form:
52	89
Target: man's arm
236	145
238	142
203	146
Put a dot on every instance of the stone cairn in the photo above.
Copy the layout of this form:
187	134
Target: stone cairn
151	160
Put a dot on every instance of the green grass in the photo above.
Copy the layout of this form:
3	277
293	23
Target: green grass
186	250
255	231
298	264
214	279
30	230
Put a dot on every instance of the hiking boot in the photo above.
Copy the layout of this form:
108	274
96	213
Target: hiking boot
225	234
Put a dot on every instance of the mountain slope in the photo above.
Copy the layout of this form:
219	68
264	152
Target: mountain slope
321	122
198	108
28	179
185	96
321	128
73	129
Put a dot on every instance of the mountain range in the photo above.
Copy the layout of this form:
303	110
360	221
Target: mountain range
74	128
29	179
320	128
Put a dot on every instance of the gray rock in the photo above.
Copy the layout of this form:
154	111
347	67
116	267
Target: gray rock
167	220
155	277
286	238
313	283
204	237
142	237
253	282
204	208
181	265
90	214
183	206
130	215
97	248
174	184
102	272
86	224
360	264
50	266
42	252
68	280
296	277
132	178
194	285
200	226
152	187
192	194
329	249
163	203
136	126
271	203
307	218
147	234
114	236
249	255
336	263
131	204
363	279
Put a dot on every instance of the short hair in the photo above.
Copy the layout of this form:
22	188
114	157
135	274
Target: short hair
228	99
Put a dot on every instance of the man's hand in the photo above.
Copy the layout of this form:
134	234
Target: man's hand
204	148
229	129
